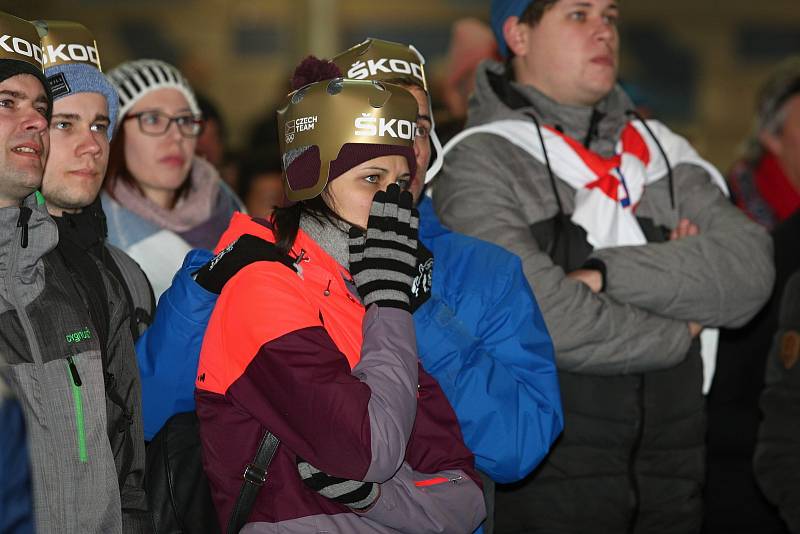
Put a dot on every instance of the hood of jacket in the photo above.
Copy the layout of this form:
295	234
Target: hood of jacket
85	229
19	262
429	225
311	250
498	97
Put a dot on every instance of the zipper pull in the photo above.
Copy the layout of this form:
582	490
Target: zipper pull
438	480
297	261
73	370
22	222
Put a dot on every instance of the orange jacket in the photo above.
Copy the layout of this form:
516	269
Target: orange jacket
341	387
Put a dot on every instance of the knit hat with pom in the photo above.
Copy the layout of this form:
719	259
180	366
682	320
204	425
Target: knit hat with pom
339	108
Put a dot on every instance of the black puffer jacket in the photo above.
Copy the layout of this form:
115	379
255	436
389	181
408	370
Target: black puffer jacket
631	457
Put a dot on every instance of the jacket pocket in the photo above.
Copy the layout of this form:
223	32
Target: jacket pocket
75	490
77	400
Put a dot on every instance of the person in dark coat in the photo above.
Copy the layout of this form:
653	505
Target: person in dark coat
777	456
766	185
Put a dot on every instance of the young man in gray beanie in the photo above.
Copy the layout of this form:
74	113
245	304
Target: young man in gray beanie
630	245
85	109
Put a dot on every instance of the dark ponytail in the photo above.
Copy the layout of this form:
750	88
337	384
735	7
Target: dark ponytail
286	221
285	224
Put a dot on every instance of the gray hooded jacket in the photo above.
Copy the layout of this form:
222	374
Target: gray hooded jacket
496	191
631	458
53	365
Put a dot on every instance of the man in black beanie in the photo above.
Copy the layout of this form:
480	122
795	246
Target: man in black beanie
53	347
26	104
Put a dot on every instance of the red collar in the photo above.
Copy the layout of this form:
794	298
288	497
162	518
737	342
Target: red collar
775	187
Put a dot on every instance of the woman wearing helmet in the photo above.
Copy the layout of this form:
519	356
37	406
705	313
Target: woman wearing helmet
493	357
318	346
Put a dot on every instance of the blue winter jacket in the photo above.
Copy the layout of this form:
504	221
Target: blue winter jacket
16	499
480	334
169	349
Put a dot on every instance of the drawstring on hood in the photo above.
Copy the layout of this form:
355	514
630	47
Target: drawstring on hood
663	155
550	175
591	132
24	216
499	79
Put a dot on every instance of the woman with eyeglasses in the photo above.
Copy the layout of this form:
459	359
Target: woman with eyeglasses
160	200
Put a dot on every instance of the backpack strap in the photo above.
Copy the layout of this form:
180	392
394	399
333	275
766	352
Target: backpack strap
138	291
255	476
213	276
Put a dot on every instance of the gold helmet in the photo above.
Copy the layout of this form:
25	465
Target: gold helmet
376	59
72	64
65	42
20	52
328	127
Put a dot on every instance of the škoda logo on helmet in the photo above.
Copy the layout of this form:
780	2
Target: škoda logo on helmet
361	70
71	52
21	47
369	126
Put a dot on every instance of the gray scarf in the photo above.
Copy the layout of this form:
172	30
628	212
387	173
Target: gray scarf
332	236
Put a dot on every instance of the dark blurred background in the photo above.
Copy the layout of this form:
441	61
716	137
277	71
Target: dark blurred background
695	64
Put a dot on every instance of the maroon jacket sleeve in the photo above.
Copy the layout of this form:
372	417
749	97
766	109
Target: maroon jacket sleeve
299	385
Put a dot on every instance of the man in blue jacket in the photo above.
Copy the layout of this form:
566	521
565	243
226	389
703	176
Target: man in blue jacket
479	329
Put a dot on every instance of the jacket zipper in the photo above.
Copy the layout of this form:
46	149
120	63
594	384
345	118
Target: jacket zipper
11	283
437	480
77	398
637	442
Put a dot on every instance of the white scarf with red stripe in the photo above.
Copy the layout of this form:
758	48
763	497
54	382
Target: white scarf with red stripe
608	190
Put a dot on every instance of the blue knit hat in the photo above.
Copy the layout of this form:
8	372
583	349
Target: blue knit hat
500	11
72	64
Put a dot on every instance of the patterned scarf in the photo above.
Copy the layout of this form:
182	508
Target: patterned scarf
190	211
607	190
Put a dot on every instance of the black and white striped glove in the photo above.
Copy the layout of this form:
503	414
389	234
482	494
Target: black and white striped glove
355	494
384	261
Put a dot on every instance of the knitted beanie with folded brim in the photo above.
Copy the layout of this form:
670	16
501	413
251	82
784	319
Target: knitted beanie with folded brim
12	67
135	79
70	79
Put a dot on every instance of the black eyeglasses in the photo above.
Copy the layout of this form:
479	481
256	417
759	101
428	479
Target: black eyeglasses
156	123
